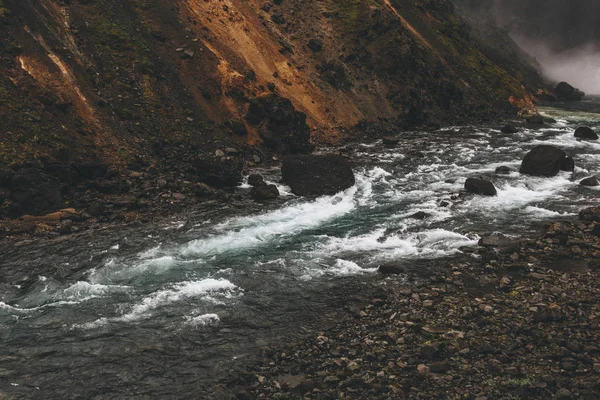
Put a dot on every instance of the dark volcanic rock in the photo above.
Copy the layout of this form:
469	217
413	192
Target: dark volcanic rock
586	133
281	127
264	192
566	92
217	171
255	180
591	181
543	160
536	119
36	192
480	186
591	214
503	170
317	175
390	140
509	129
568	164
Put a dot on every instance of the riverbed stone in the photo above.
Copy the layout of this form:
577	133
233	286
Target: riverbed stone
544	160
480	186
586	133
591	181
264	192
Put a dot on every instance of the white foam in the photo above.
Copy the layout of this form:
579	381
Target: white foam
347	268
253	231
83	291
203	289
427	244
202	320
541	213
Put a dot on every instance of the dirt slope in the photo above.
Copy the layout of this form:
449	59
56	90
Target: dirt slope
115	79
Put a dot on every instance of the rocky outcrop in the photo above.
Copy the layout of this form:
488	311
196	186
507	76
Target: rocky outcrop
35	192
545	160
218	172
586	133
317	175
480	186
280	126
566	92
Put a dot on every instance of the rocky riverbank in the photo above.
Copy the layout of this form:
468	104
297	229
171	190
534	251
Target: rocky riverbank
509	319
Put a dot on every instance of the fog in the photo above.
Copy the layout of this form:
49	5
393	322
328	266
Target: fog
579	66
563	35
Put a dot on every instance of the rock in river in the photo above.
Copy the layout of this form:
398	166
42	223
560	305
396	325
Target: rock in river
591	181
316	175
586	133
480	186
544	160
264	192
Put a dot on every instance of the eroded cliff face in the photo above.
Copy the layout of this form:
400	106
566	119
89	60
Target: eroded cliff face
120	80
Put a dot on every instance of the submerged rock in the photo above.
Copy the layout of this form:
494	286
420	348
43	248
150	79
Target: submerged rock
509	129
544	160
586	133
317	175
503	170
390	140
264	192
591	181
256	180
480	186
535	119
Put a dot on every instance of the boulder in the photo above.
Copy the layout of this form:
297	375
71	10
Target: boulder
390	140
264	192
217	171
591	181
591	214
503	170
544	160
256	180
509	129
586	133
568	164
480	186
36	192
420	215
535	119
566	92
317	175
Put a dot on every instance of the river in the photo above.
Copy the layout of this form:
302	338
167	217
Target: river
168	310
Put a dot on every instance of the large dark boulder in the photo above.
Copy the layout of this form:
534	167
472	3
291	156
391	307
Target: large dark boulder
586	133
535	119
218	172
279	124
480	186
37	192
544	160
566	92
317	175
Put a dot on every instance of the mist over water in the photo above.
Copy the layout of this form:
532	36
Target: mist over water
580	66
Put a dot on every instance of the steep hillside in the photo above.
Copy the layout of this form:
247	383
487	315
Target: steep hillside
134	83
